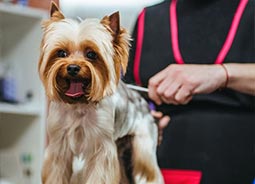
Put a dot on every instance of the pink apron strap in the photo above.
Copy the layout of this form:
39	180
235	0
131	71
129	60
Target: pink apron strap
227	44
174	33
232	32
139	45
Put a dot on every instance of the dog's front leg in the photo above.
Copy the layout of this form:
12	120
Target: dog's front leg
57	166
103	166
145	166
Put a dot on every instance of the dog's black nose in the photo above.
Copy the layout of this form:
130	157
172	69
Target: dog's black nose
73	69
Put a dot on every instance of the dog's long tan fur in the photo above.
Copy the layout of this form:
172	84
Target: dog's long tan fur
90	108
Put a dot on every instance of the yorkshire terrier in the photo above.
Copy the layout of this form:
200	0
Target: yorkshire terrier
99	131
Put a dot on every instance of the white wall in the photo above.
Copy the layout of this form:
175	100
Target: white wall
129	9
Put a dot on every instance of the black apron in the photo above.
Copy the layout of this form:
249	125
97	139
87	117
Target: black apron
212	137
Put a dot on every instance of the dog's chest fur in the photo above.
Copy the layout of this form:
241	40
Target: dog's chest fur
80	124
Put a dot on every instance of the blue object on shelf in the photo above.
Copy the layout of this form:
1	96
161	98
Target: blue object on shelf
8	90
23	2
1	90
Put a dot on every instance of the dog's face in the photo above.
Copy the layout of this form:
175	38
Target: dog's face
81	62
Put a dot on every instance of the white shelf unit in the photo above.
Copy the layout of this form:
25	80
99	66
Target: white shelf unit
22	125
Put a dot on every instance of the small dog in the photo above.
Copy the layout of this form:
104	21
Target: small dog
92	114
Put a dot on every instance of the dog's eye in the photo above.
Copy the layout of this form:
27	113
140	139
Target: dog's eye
91	55
61	53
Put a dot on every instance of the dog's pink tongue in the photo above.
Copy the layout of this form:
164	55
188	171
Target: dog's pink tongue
75	89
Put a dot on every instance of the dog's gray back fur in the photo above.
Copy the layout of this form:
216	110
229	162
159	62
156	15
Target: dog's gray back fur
131	110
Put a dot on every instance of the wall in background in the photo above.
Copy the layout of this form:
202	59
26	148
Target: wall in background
42	4
129	9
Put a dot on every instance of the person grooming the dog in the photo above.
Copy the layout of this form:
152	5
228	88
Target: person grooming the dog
197	58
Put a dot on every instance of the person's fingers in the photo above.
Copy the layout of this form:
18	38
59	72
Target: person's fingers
182	95
160	137
169	93
163	122
156	114
165	83
187	100
172	89
152	87
154	82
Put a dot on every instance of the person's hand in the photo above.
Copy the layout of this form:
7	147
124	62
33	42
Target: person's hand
177	84
162	123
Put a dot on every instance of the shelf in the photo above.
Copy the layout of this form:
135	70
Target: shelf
19	109
18	10
22	125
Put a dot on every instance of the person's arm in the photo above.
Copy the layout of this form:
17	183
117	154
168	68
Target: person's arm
241	77
177	84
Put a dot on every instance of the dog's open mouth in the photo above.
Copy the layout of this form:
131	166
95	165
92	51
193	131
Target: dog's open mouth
76	88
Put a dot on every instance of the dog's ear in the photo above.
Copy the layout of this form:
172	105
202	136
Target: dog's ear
113	22
55	13
120	41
